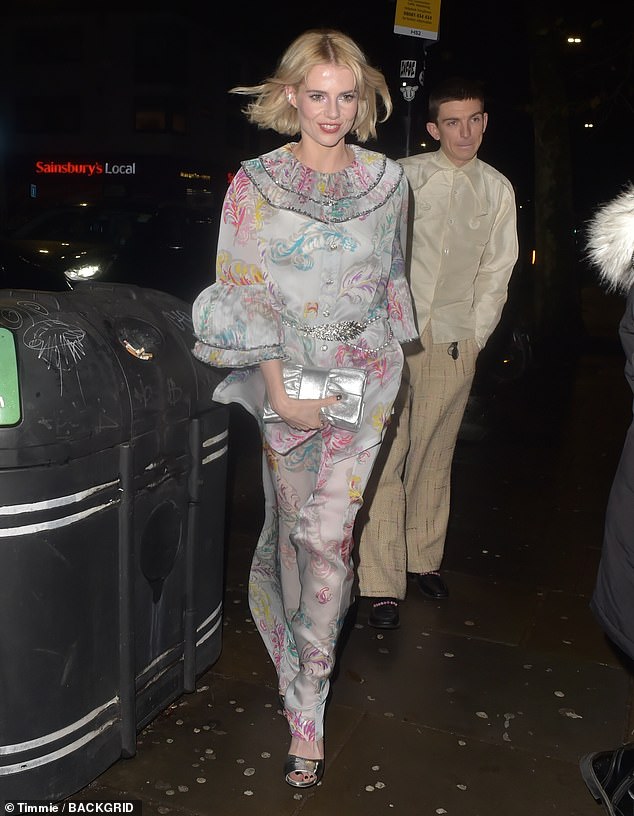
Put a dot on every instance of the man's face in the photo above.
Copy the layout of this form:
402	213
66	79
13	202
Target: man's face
460	127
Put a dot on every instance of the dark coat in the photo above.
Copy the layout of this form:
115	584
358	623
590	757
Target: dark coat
613	598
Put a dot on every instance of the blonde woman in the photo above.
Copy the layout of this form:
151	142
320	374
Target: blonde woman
310	271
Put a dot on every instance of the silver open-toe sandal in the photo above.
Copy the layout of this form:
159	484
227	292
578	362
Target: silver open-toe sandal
311	770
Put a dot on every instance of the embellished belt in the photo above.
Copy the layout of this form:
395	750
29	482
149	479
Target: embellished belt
342	332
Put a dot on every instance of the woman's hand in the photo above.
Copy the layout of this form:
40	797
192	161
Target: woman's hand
301	414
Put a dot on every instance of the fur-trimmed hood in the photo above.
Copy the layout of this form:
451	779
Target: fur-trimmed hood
610	241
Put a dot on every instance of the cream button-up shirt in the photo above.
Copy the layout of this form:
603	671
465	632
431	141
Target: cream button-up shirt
462	246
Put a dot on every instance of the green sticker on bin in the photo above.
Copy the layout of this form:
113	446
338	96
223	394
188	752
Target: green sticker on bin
9	388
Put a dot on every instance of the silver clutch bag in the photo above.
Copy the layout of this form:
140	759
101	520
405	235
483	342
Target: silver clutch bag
301	382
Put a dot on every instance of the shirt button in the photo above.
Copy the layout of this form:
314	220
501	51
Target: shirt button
445	252
451	220
333	245
324	348
326	312
329	282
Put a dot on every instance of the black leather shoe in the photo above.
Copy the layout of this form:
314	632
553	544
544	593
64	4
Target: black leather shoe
609	776
432	585
384	613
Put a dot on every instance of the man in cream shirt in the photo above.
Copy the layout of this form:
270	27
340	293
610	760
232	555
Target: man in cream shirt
463	247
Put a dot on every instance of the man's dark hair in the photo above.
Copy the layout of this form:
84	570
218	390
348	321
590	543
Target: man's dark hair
454	89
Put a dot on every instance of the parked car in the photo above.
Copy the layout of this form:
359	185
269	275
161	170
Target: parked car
168	246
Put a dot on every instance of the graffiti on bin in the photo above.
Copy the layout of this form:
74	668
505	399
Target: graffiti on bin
180	319
59	344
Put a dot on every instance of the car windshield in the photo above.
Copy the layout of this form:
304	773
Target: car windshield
79	224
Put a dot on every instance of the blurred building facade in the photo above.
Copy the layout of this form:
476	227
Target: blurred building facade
112	104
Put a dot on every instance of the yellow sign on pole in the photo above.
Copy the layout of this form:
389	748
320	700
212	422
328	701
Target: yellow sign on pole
417	18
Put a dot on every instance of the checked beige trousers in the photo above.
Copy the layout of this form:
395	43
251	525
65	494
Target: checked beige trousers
403	523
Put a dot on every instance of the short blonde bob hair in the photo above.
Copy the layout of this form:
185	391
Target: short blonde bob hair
271	108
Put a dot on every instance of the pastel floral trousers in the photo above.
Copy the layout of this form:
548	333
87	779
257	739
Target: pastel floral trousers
302	573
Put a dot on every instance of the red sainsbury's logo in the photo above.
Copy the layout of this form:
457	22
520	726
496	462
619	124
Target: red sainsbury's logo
75	168
85	168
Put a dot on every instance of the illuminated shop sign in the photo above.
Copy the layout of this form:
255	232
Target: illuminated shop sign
85	168
191	174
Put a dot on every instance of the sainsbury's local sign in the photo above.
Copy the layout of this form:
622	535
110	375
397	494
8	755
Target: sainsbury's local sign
96	168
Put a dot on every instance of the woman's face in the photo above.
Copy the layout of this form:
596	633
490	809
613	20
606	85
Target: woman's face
327	104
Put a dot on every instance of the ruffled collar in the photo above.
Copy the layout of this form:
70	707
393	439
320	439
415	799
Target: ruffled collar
361	187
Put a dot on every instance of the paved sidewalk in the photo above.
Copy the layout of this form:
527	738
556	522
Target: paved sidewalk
478	705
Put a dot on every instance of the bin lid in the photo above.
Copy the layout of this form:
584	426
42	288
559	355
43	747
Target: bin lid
94	367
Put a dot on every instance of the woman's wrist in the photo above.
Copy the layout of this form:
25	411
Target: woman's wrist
279	401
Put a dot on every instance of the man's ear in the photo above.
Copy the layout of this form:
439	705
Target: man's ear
485	121
433	131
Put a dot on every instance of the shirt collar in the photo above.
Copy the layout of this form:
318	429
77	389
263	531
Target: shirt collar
473	171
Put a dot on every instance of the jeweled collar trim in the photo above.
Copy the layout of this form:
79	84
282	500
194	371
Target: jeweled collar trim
362	187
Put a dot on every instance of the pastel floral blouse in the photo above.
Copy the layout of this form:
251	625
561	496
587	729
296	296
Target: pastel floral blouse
297	249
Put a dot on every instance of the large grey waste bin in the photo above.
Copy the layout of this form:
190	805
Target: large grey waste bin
112	486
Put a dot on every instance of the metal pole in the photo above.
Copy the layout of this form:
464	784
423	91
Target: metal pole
412	77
